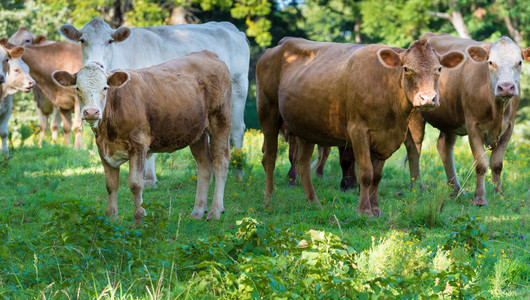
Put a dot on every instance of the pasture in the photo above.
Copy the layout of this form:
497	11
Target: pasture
55	241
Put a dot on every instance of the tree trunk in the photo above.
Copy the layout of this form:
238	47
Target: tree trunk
117	12
357	31
458	23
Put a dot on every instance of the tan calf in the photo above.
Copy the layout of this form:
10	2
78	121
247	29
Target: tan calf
163	108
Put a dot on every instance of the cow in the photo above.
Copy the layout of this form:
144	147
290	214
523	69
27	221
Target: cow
479	100
14	77
24	37
42	61
162	108
141	47
344	94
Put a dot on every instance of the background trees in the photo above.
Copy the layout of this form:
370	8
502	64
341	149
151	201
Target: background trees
393	22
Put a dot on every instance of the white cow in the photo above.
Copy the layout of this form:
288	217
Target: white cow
133	48
14	77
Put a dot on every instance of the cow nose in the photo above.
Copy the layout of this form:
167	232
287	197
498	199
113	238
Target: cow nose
31	83
91	113
506	89
428	99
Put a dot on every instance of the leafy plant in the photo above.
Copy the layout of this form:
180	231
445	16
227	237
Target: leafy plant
467	233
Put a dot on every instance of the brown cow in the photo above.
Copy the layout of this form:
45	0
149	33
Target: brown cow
24	37
344	94
480	100
42	61
162	108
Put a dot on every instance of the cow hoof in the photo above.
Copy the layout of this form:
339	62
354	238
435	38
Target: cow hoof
198	214
499	192
455	193
150	183
479	201
214	215
346	186
291	182
376	211
365	212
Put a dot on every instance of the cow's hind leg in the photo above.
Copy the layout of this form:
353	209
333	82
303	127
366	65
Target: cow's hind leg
497	156
320	163
66	116
55	123
43	125
293	150
220	152
413	141
136	181
303	167
200	152
112	178
446	145
149	172
347	164
374	186
269	118
239	98
5	112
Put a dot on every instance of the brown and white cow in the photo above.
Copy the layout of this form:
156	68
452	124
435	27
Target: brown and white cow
24	37
42	61
480	100
344	94
163	108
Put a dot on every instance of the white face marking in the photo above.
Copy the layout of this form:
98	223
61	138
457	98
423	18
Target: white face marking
15	73
91	88
505	64
94	40
22	38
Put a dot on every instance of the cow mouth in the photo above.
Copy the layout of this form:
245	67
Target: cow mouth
93	122
505	99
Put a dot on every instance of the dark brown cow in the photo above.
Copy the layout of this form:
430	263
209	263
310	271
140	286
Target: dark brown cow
163	108
344	94
480	100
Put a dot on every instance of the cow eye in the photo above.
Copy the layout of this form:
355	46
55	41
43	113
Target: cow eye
405	69
105	88
109	42
440	69
520	63
490	62
27	41
17	70
82	41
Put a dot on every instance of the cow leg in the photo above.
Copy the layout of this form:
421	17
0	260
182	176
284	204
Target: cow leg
377	166
476	142
77	126
112	179
323	154
293	150
5	112
239	98
200	152
446	145
66	117
43	125
347	165
413	141
269	118
149	172
303	167
497	156
136	181
55	123
361	152
220	150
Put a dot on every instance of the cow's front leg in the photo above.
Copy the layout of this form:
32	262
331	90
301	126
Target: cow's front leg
220	151
43	125
78	126
497	155
66	116
446	145
293	152
320	163
377	166
303	167
413	141
149	172
269	118
55	123
361	151
201	154
112	179
5	112
136	181
476	142
347	164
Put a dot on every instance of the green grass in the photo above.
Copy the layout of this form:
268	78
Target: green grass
56	243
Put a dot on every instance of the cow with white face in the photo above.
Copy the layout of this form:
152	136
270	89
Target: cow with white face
14	77
142	47
480	100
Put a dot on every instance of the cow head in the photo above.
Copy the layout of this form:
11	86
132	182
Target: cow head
24	37
96	39
91	84
505	60
15	73
421	67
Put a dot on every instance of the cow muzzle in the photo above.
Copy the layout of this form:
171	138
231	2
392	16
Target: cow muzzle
427	101
505	91
30	85
91	114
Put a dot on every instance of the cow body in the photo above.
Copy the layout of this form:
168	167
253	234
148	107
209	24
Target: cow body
142	47
480	100
23	37
343	95
14	77
162	108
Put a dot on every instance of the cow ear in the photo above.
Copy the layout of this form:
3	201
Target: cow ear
39	39
16	52
120	34
452	59
63	78
477	54
389	58
70	32
3	41
118	79
526	54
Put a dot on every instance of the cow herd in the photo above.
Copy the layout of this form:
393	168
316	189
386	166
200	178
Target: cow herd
159	89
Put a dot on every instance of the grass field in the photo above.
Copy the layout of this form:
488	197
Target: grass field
56	243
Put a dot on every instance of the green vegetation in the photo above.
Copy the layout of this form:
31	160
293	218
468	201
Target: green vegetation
55	241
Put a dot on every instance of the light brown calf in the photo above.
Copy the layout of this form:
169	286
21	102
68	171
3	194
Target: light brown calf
480	100
343	94
162	108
